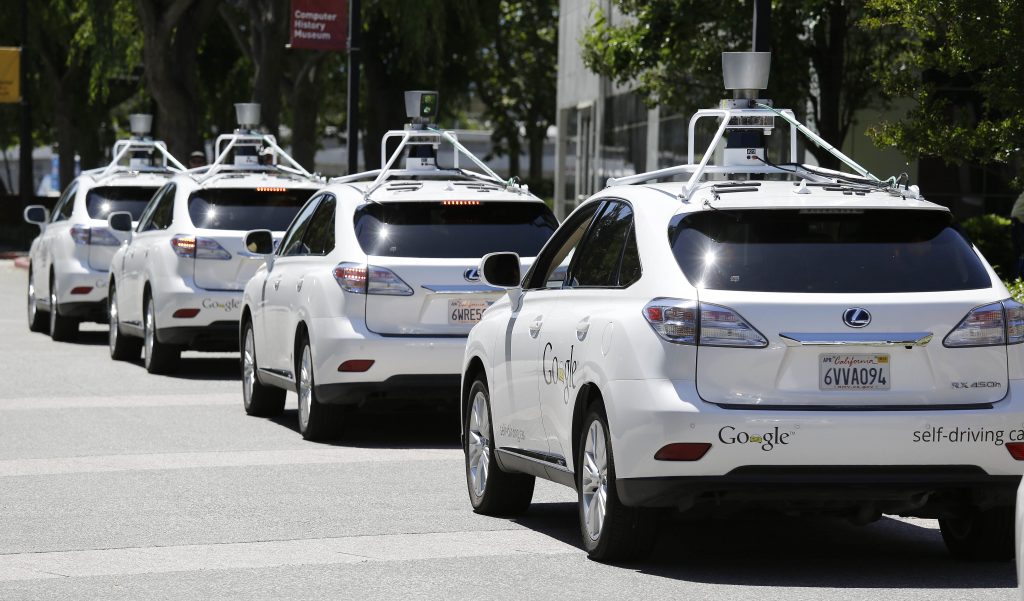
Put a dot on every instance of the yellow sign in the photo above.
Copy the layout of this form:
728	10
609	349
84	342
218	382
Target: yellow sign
10	75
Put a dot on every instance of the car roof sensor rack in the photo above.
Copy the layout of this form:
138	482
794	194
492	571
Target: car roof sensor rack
138	149
248	138
421	108
746	73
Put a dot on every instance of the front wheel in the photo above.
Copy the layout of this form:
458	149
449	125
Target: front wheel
491	490
159	358
121	347
316	420
37	320
258	399
611	531
981	536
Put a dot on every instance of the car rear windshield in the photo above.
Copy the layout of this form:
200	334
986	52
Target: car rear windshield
449	230
246	208
828	251
101	202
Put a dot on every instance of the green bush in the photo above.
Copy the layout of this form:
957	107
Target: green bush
1016	289
991	234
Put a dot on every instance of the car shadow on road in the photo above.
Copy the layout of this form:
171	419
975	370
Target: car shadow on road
389	428
91	338
779	551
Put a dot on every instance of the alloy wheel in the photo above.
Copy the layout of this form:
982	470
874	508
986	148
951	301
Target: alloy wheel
31	301
248	367
479	444
149	334
112	318
595	480
53	307
305	388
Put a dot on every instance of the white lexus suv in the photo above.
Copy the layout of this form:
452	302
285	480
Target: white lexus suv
760	335
374	287
177	284
69	260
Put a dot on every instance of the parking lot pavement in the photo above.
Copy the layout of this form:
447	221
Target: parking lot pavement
118	484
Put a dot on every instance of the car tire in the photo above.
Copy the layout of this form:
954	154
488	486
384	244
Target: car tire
981	536
257	398
122	348
317	421
611	531
62	327
159	358
38	321
491	490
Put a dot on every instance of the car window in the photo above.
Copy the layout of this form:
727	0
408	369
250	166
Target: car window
101	202
629	270
825	251
319	236
292	244
596	262
549	269
66	204
453	228
162	213
243	209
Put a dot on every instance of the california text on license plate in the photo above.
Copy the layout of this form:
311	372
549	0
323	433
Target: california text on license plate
853	372
466	311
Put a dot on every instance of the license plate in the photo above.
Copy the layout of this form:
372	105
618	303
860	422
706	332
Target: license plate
462	312
853	372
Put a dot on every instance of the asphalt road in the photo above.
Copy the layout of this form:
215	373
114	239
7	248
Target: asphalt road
118	484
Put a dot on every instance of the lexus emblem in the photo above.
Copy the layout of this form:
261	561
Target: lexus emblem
472	274
855	317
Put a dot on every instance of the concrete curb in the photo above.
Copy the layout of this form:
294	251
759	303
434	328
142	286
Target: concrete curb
21	262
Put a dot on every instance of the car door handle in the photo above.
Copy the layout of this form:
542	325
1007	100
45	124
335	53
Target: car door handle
582	328
298	285
535	326
277	283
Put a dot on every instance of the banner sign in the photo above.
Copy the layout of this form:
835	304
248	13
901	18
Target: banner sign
10	75
319	24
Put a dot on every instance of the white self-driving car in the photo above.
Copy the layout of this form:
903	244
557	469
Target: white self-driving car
69	260
177	284
780	336
374	286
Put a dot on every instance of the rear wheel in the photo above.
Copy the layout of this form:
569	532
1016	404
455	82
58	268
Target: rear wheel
981	536
611	531
159	358
122	348
62	328
491	491
258	399
316	420
37	320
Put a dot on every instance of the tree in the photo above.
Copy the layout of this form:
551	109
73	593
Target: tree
516	79
960	61
428	44
823	58
172	33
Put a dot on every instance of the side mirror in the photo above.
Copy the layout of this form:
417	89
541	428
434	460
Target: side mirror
37	214
501	270
259	242
120	221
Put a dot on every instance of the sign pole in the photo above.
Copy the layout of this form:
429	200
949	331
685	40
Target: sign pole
355	36
25	150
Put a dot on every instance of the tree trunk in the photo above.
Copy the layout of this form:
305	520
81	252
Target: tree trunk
63	121
305	108
829	63
269	24
383	110
172	31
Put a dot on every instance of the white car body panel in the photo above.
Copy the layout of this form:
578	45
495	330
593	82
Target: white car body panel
656	392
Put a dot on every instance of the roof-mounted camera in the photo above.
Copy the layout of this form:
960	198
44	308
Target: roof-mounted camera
421	107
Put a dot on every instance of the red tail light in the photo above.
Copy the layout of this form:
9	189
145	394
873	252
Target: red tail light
683	451
186	313
356	365
1016	450
184	246
81	290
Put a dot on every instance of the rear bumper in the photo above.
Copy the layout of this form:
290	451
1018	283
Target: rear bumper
930	490
215	337
215	307
86	311
79	285
411	388
410	367
645	415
